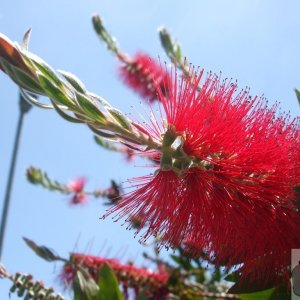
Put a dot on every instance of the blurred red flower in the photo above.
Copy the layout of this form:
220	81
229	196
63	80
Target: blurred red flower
129	276
144	75
77	186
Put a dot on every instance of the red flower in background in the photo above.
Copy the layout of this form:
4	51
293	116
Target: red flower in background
129	276
226	177
76	186
144	75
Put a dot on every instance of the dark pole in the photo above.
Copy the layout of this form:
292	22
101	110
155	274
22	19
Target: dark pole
24	108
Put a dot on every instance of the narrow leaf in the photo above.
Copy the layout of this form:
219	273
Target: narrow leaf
27	82
52	91
26	39
233	277
85	288
108	283
64	115
76	83
41	251
44	68
90	108
105	144
120	118
20	77
103	134
100	99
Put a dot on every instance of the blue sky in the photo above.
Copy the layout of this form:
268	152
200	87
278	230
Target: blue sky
253	41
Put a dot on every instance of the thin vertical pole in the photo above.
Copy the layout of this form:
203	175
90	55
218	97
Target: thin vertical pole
24	108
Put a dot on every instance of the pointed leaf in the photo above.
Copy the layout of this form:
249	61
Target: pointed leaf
27	82
26	39
233	277
85	288
178	53
108	283
76	83
100	99
52	91
41	251
103	134
119	117
64	115
90	108
176	258
105	144
43	67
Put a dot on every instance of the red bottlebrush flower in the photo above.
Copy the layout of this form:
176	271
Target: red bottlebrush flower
226	175
144	75
129	276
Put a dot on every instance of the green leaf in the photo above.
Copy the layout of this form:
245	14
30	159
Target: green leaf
281	293
108	283
85	287
233	277
90	108
298	95
52	91
44	68
20	77
99	98
119	117
105	144
26	39
27	82
103	134
41	251
64	115
176	258
76	83
7	66
178	53
263	295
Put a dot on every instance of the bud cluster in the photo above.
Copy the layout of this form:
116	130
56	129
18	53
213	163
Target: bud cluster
25	287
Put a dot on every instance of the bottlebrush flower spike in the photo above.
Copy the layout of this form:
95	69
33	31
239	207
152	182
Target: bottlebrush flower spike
144	75
226	174
128	275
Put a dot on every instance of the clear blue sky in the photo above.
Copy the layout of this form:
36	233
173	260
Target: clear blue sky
254	41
